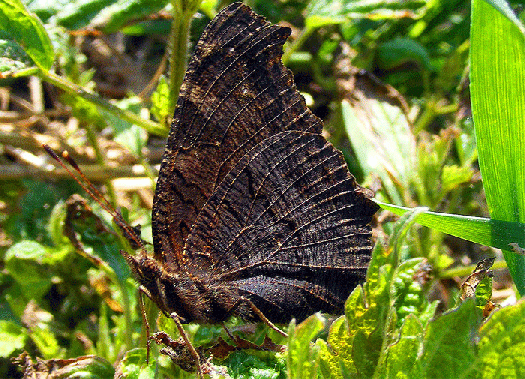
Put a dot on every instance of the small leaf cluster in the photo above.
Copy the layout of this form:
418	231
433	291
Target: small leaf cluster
377	339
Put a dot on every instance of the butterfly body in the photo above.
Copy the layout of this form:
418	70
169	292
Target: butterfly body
194	298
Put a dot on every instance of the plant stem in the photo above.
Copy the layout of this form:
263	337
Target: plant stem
178	45
428	115
127	311
92	137
69	87
467	270
295	45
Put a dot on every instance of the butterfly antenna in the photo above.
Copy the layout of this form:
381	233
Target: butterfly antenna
95	194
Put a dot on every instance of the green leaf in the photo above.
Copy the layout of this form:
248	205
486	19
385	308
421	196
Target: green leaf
14	61
401	356
122	12
501	348
339	341
132	136
109	15
149	27
160	100
248	364
78	14
89	368
12	338
408	293
391	151
485	231
448	348
400	231
399	51
28	31
484	292
55	226
208	7
301	357
326	12
498	107
24	262
453	176
45	341
133	365
44	9
366	350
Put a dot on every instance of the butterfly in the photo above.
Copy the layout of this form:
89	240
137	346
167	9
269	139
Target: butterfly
251	201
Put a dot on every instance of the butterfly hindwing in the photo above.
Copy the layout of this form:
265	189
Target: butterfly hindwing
288	226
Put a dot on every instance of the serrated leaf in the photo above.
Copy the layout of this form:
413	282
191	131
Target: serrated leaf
247	365
160	100
366	350
484	292
448	347
27	30
498	107
401	356
408	293
365	320
12	338
339	342
301	357
501	348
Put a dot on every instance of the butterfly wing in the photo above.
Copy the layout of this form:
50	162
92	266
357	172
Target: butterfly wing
288	227
236	93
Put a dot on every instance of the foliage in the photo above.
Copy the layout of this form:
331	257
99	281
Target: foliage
61	301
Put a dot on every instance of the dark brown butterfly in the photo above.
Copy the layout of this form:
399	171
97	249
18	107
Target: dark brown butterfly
251	201
255	214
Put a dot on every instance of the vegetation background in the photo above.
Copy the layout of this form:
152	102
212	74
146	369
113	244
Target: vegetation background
424	98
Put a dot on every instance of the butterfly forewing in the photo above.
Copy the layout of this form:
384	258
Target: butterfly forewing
236	93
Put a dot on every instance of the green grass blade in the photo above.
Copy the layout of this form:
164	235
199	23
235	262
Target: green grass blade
489	232
498	105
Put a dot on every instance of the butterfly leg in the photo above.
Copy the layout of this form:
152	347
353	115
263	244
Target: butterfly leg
189	345
259	314
142	291
232	337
